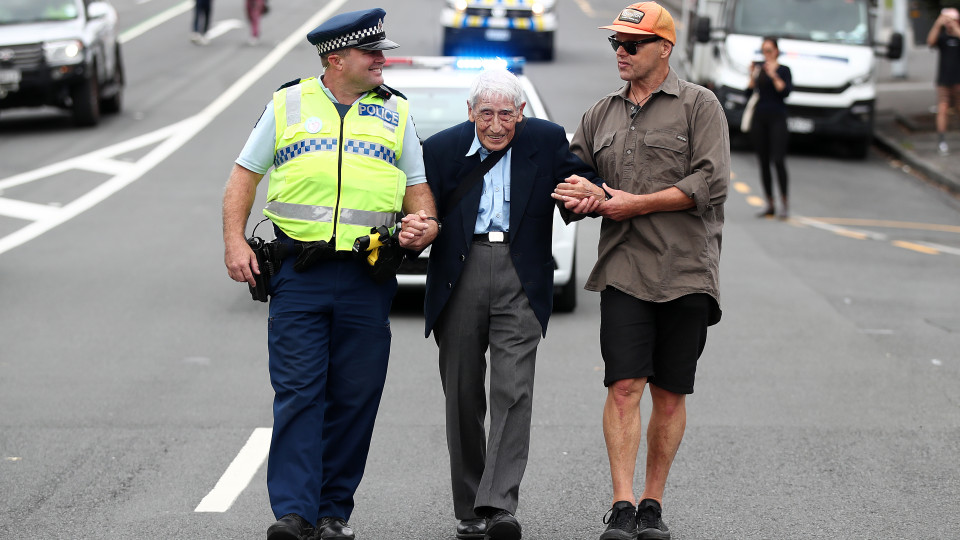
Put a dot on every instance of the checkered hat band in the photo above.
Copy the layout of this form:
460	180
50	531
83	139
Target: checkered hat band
370	149
353	39
291	151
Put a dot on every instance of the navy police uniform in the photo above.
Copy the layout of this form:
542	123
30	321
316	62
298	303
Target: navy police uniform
329	343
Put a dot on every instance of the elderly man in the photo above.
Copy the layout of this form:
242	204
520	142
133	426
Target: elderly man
345	154
662	145
490	285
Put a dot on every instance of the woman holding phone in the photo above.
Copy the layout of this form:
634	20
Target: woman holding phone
773	83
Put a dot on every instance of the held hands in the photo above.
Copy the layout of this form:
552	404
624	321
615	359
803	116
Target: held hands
417	232
579	195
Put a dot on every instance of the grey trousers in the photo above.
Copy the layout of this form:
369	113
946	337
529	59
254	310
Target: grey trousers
488	308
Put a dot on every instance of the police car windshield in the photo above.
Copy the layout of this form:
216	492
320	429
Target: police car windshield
26	11
436	109
833	21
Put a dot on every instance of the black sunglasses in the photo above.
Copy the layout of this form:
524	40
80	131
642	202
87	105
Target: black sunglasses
631	46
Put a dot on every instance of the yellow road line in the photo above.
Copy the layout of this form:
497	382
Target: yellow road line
915	247
741	187
753	200
586	8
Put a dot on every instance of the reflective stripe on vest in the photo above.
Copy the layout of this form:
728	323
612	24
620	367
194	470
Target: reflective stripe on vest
291	151
324	214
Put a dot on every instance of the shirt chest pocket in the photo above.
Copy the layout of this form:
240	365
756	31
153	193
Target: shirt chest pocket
605	157
666	160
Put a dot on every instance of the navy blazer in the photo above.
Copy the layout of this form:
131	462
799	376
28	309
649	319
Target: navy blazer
540	160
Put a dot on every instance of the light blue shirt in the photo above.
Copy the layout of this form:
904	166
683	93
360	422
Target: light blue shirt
494	211
257	154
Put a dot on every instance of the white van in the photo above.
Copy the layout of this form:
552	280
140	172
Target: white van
829	46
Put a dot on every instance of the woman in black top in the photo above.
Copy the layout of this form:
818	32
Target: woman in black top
945	36
769	126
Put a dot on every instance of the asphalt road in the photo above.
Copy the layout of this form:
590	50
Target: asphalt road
133	370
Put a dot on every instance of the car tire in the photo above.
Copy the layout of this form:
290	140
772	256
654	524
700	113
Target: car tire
860	148
114	103
86	101
565	300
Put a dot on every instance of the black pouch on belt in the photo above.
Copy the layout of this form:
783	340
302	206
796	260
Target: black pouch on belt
311	253
389	255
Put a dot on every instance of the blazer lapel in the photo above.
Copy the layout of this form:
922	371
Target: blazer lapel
523	171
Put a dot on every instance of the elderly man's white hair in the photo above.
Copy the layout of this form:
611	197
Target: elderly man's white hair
494	83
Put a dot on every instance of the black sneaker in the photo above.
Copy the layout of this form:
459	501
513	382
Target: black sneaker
289	527
621	522
649	522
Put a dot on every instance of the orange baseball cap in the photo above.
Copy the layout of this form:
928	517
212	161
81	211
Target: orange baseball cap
647	19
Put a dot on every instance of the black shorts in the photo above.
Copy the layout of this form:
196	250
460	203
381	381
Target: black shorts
658	340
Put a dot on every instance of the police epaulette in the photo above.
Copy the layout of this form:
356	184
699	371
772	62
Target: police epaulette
386	92
288	84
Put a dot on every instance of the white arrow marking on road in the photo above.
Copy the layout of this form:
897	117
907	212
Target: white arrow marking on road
238	475
26	210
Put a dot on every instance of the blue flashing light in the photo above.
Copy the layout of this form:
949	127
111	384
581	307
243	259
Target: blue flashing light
513	64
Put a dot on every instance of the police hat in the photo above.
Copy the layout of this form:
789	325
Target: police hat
357	29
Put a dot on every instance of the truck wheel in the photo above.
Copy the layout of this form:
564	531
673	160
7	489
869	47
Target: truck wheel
86	101
565	301
860	148
114	103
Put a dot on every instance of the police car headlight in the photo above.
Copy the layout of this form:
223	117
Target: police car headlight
460	5
537	8
58	53
863	79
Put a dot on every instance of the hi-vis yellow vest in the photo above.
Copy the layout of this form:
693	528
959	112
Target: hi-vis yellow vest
332	177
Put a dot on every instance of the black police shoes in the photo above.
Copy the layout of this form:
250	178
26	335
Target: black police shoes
471	528
501	525
289	527
333	528
649	521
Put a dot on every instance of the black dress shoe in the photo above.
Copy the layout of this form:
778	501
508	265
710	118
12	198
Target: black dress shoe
289	527
333	528
471	528
501	525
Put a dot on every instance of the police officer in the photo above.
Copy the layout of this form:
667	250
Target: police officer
346	156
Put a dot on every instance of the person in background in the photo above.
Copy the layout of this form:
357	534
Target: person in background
773	82
490	286
255	10
345	158
945	37
663	146
201	21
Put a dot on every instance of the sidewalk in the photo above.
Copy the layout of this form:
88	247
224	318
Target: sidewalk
906	128
912	138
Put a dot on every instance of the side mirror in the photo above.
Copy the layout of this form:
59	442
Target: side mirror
703	30
97	10
895	46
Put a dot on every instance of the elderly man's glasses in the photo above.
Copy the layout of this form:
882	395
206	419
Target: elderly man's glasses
631	46
505	116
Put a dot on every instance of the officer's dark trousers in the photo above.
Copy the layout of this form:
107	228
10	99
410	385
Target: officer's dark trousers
329	342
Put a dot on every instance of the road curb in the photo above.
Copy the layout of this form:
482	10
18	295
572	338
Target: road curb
895	147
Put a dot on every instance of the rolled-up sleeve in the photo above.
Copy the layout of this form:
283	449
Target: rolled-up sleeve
709	156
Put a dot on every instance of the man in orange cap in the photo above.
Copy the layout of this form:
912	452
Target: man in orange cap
663	148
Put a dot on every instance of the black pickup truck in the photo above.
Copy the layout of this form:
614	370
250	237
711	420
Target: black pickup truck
62	53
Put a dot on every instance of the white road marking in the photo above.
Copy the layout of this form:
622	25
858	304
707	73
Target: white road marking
105	165
26	210
170	139
155	21
238	475
222	27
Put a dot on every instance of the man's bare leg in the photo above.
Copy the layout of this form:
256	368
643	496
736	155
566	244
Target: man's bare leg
668	420
621	431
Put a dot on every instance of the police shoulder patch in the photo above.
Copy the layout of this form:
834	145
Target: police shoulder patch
288	84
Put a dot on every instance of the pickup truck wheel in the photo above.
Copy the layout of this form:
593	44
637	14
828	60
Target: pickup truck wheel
86	102
565	300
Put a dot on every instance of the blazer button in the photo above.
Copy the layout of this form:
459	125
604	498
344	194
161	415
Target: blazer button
449	285
463	258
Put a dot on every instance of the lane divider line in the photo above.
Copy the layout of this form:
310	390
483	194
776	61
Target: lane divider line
26	210
913	246
155	21
239	474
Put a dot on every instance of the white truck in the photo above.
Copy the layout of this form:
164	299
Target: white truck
829	46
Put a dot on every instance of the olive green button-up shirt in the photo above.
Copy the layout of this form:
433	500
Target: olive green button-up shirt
679	138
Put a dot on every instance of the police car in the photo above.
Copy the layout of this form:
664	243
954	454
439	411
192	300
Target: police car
499	27
438	88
